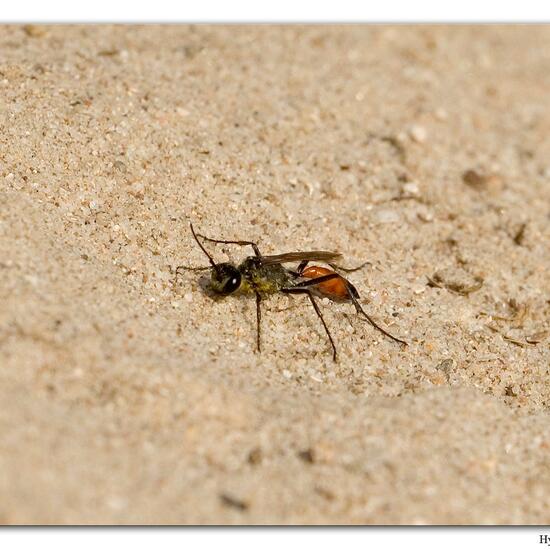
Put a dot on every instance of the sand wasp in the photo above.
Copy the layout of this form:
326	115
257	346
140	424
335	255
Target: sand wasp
261	276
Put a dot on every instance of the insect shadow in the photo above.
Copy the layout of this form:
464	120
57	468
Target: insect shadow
262	276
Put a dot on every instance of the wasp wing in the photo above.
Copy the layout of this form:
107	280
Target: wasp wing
312	256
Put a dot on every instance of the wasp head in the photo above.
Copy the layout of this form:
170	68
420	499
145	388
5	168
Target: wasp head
225	279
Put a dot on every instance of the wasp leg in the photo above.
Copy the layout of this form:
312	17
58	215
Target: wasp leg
189	268
360	310
299	269
258	320
302	266
349	269
297	290
318	311
240	243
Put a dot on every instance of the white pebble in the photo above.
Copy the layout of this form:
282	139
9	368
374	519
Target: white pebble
425	216
418	133
411	188
287	374
188	297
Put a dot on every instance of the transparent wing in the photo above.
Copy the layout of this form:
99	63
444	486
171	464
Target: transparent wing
312	256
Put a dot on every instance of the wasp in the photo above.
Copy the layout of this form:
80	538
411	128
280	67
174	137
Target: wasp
261	276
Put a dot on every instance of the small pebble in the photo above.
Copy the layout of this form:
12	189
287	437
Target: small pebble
418	133
232	502
287	374
119	165
478	180
307	455
445	365
188	297
473	178
425	216
255	456
411	188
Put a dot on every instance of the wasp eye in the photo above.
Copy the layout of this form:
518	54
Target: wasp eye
232	284
226	278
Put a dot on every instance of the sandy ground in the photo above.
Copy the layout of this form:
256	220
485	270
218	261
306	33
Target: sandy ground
130	397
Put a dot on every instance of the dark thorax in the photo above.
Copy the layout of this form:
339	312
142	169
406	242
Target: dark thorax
266	279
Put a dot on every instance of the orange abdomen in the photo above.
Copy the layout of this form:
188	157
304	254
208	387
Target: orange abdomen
335	288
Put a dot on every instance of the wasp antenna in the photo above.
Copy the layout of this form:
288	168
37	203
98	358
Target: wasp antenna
212	262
